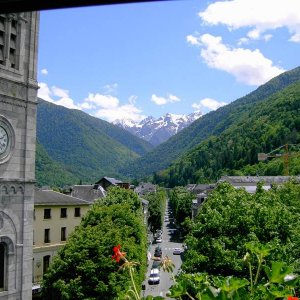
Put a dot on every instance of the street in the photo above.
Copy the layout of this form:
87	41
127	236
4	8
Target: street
167	245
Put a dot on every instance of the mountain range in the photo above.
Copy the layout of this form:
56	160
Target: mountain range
157	131
209	125
86	148
82	148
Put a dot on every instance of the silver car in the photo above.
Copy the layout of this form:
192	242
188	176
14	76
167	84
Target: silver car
154	277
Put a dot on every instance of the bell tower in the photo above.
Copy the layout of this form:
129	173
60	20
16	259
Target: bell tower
18	91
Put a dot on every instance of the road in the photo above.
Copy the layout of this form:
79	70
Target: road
167	245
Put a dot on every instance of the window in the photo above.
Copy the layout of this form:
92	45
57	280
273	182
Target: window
2	39
46	263
63	234
9	40
34	214
47	213
47	235
63	212
77	212
3	269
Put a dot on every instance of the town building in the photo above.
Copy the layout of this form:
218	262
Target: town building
56	215
106	182
145	188
249	183
88	192
201	192
18	101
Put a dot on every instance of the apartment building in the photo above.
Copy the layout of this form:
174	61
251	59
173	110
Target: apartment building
55	217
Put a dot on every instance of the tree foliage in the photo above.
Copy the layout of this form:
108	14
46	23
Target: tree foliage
83	268
156	208
231	217
181	203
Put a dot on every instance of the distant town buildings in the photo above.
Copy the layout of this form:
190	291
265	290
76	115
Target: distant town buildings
249	183
106	182
88	192
145	188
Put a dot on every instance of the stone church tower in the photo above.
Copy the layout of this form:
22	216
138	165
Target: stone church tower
18	90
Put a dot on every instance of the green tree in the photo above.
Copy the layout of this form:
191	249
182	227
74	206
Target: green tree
157	203
231	217
83	268
181	202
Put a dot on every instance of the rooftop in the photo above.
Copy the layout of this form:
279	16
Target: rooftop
49	197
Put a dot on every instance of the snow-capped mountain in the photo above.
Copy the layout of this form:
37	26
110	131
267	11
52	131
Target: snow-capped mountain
157	131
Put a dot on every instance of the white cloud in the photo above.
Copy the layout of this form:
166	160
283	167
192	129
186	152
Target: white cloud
247	66
96	104
295	38
193	40
67	102
173	98
110	88
209	103
261	15
105	101
267	37
44	71
109	107
254	34
158	100
49	94
44	92
126	111
60	92
242	41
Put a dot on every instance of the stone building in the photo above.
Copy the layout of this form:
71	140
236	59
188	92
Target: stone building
18	90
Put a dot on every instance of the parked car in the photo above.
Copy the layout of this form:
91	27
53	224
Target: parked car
154	277
156	264
157	252
177	251
158	240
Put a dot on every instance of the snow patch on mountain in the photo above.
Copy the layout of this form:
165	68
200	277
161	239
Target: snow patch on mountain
157	131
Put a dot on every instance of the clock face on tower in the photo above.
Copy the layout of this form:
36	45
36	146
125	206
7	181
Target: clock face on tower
7	140
3	140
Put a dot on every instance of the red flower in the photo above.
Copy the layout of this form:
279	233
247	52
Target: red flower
117	253
292	298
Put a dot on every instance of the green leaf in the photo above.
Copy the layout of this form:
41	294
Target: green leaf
278	271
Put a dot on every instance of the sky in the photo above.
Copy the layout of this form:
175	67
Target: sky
130	61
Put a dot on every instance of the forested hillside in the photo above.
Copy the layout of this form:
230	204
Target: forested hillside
50	173
265	126
86	147
211	124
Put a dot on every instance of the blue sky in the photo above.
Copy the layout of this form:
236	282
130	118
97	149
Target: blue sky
135	60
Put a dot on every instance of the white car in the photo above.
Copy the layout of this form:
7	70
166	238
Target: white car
154	277
177	251
159	240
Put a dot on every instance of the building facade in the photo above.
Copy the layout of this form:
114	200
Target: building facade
18	90
55	217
